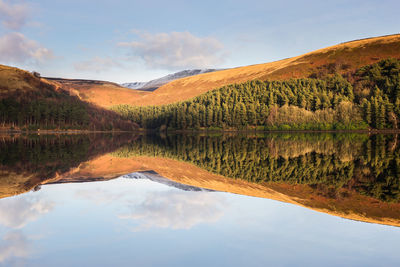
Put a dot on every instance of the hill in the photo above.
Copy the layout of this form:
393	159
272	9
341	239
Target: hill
13	80
28	101
342	58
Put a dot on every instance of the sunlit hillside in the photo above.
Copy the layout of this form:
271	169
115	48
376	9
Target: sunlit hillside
341	58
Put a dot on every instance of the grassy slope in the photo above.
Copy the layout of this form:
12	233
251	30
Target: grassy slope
353	54
14	79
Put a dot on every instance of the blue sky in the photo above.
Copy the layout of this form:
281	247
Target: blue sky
126	41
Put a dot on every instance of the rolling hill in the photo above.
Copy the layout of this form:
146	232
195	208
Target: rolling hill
343	57
28	101
13	80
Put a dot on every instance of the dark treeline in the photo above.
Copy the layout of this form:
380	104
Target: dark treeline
56	110
369	97
370	166
56	152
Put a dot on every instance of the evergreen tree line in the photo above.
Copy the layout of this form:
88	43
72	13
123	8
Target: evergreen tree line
370	166
367	98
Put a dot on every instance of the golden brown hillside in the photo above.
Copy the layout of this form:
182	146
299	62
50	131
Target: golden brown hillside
13	80
343	57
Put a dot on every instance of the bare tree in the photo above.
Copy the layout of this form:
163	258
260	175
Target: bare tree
36	74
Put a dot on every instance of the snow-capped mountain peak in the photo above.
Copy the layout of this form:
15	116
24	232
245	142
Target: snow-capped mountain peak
156	83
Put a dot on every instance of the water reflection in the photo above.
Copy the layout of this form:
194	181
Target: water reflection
17	212
152	221
14	245
354	176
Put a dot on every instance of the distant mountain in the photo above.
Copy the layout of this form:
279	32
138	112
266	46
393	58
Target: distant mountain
156	83
155	177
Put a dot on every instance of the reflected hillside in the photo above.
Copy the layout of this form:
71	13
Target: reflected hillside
349	175
367	165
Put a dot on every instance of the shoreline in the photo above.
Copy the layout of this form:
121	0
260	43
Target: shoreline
364	131
230	131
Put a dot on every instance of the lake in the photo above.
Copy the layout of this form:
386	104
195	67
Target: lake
278	199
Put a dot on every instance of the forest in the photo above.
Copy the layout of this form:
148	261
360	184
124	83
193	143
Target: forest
329	162
366	98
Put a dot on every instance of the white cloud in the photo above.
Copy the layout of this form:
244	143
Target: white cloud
97	64
176	209
14	245
17	212
177	50
16	48
14	16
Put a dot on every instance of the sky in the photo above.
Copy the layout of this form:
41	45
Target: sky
130	40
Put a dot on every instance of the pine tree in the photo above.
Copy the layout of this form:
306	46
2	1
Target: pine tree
367	111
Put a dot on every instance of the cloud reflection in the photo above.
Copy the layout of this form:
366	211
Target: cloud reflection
176	210
16	212
100	196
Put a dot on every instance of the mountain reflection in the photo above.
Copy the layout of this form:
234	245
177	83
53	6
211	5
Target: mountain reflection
355	176
327	162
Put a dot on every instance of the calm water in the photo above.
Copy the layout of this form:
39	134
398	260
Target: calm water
260	200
